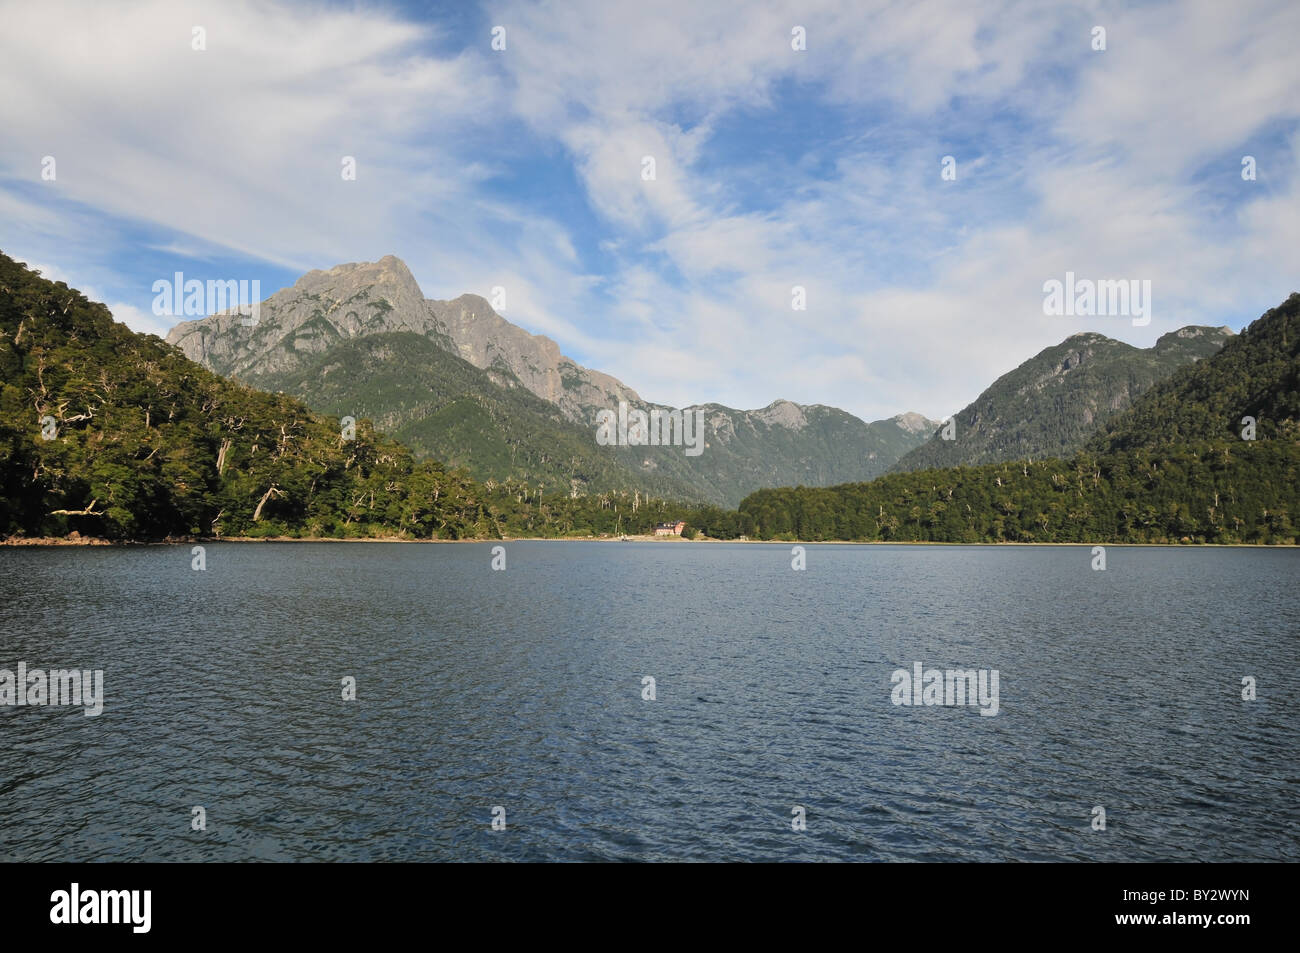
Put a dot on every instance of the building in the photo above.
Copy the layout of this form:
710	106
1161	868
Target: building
670	529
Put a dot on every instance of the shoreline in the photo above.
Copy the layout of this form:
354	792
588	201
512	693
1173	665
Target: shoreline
59	541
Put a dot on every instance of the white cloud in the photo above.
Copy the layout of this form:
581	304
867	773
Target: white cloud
1104	173
140	320
239	145
920	291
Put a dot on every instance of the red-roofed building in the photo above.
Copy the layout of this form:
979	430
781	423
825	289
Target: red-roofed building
670	529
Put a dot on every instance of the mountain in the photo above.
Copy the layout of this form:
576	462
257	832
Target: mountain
105	432
1173	467
1257	374
445	408
112	434
459	383
1054	402
325	308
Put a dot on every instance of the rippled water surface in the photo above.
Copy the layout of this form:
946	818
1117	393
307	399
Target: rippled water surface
523	688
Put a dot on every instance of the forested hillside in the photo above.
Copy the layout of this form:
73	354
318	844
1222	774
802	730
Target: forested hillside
111	433
1209	493
1051	404
444	408
1257	374
1175	467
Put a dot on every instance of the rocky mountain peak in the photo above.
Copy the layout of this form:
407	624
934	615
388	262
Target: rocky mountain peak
515	356
783	413
915	423
1193	332
387	279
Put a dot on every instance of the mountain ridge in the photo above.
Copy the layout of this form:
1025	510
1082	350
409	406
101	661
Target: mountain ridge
1051	404
326	311
447	321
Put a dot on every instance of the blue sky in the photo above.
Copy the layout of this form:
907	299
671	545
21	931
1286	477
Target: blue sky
521	168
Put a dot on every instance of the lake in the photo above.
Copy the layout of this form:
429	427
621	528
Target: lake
774	703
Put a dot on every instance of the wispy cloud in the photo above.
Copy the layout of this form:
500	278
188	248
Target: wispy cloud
774	167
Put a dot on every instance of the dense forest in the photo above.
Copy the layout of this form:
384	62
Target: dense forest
1209	493
108	433
1256	374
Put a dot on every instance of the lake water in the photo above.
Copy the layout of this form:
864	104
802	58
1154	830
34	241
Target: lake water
522	689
